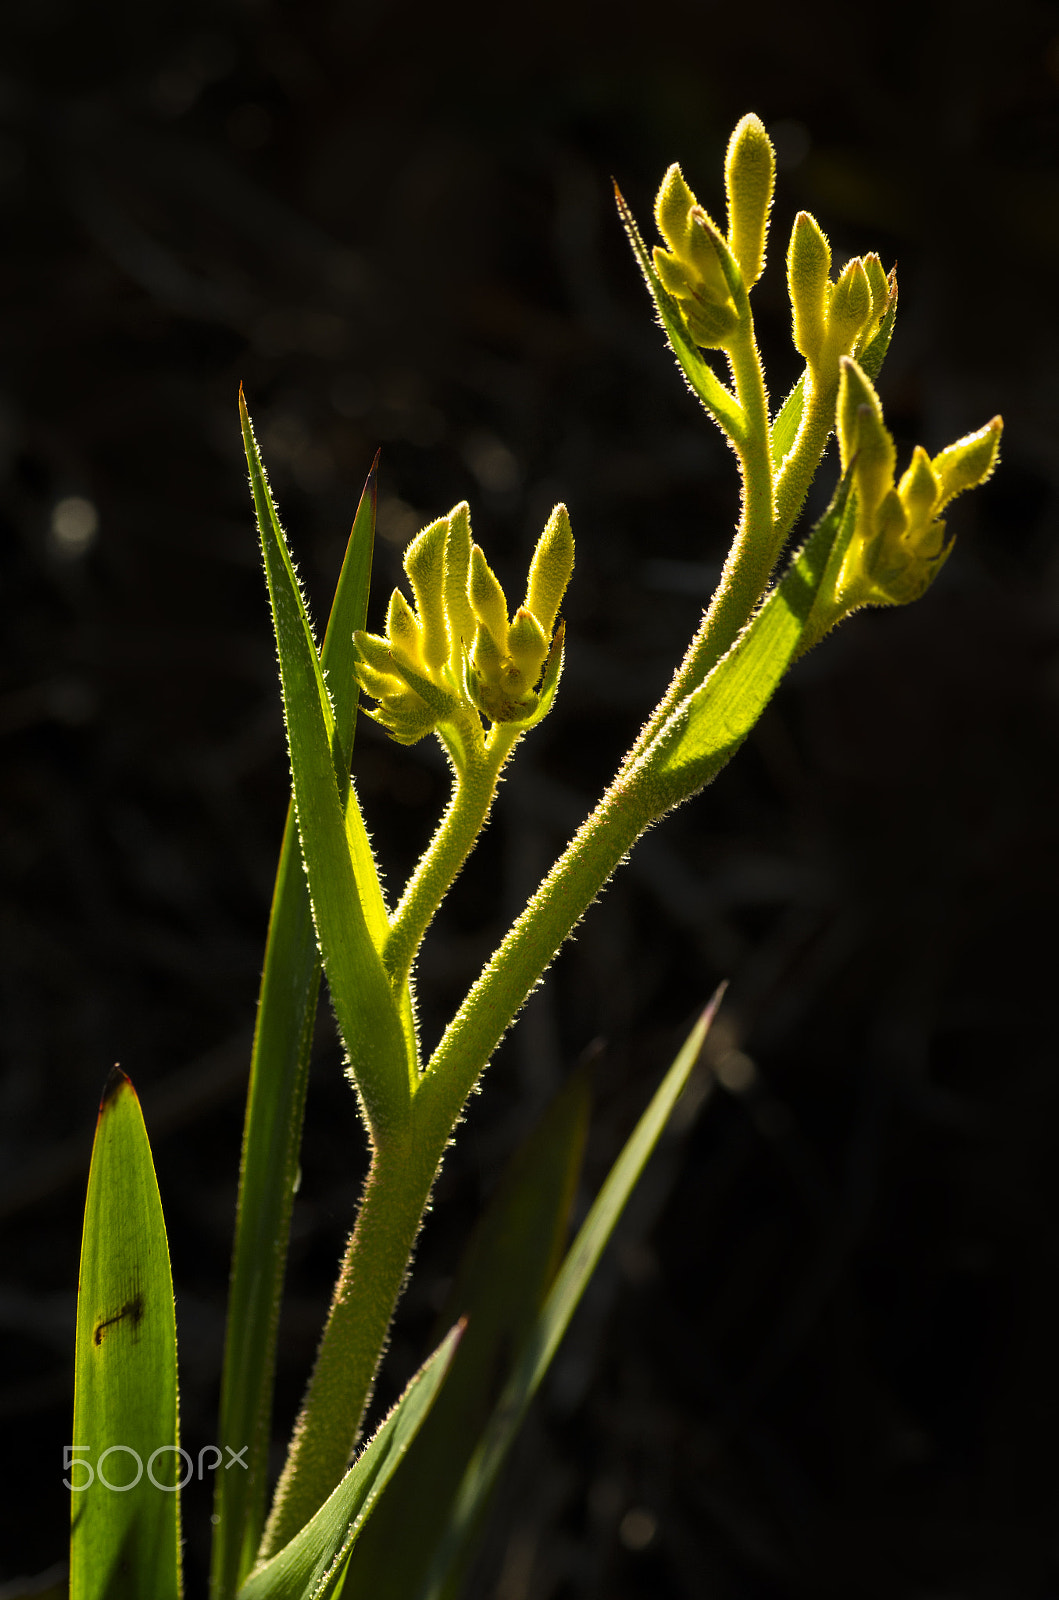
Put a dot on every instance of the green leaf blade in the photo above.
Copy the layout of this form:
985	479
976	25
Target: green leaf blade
125	1539
543	1339
313	1565
344	889
275	1110
708	727
786	423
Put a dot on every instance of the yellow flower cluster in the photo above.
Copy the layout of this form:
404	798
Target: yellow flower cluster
699	266
898	544
708	274
838	319
456	648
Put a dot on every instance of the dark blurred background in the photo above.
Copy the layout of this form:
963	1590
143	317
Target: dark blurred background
821	1359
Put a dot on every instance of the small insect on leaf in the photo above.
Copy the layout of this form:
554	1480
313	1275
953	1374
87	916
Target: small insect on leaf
132	1312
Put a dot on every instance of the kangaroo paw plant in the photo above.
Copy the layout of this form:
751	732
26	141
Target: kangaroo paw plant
394	1516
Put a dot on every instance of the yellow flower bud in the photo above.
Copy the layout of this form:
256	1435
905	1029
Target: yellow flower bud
862	434
550	569
968	462
673	204
692	266
902	567
749	173
377	684
488	601
402	629
851	306
424	562
457	577
487	655
405	717
400	710
880	288
872	343
373	650
891	520
673	273
878	283
503	673
898	545
919	488
528	645
809	280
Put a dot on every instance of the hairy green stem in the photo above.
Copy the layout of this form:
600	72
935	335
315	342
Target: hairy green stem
472	798
799	467
402	1174
396	1194
373	1272
591	857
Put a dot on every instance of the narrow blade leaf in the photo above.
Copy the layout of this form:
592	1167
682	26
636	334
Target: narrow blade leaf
344	890
503	1279
313	1564
124	1465
275	1108
786	423
709	726
543	1339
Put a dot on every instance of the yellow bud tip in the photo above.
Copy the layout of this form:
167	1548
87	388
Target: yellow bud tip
423	555
673	273
863	438
402	629
850	307
488	655
487	598
377	684
424	562
458	611
858	407
879	284
968	462
713	266
919	487
808	278
373	650
672	204
527	644
550	569
750	174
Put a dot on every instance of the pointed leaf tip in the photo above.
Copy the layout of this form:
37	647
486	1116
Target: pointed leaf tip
713	1005
116	1081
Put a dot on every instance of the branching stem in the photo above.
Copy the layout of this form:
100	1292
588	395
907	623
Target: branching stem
754	550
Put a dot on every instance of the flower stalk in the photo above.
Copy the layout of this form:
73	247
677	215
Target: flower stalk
457	661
